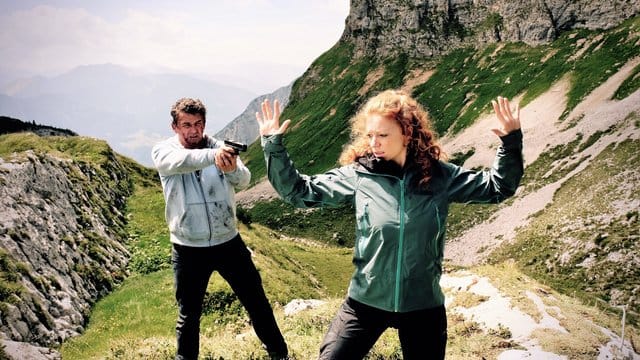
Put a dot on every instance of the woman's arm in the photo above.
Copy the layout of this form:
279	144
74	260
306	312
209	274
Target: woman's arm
328	189
502	180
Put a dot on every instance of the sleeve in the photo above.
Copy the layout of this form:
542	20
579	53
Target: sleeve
240	177
332	188
493	185
171	160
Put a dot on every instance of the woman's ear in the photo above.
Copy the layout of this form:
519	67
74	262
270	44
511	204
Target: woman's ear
407	140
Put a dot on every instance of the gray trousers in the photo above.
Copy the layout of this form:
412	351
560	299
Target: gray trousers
356	327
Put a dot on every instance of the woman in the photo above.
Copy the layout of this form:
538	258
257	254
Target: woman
401	190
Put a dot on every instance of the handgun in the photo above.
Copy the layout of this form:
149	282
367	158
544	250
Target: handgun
237	147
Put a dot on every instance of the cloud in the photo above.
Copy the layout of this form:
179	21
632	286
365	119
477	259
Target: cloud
225	34
41	37
141	139
56	39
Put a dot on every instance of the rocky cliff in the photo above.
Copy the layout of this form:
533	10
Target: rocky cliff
426	28
61	235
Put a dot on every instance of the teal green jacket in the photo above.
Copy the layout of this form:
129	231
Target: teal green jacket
400	229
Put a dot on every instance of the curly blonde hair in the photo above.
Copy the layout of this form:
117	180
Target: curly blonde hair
422	149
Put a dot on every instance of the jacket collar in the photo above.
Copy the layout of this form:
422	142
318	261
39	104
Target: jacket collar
371	165
380	166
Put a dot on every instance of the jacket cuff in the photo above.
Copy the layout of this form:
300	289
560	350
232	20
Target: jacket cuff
512	140
271	142
232	172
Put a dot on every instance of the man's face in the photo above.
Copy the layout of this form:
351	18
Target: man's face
190	128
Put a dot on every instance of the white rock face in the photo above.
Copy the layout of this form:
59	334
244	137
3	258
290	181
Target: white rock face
424	28
61	239
297	305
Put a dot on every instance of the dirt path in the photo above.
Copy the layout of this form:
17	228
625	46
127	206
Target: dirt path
262	191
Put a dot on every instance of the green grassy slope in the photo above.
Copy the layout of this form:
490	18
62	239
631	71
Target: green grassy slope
137	320
602	255
144	307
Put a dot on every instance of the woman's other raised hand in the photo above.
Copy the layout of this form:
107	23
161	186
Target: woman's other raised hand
269	121
507	121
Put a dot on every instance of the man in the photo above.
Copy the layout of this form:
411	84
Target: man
198	175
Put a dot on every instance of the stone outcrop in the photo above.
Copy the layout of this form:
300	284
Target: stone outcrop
61	243
426	28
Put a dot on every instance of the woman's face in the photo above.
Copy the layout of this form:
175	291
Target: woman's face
386	139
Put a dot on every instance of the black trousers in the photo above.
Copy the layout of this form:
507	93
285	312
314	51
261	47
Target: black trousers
356	327
193	266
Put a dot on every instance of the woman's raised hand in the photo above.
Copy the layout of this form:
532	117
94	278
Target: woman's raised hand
269	121
508	122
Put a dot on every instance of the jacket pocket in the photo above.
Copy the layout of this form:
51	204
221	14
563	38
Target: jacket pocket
222	218
363	230
193	224
364	222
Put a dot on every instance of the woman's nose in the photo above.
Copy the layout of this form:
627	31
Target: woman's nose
372	141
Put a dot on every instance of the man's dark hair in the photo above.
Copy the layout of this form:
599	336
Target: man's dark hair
189	106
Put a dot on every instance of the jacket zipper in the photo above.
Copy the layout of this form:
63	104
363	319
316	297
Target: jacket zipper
437	250
400	249
396	305
206	206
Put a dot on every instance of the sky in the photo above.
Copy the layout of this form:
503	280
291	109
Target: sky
267	43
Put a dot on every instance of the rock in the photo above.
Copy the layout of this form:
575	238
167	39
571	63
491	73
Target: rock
297	305
426	28
23	351
62	249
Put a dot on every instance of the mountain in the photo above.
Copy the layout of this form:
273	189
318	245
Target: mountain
244	128
547	274
128	109
419	29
